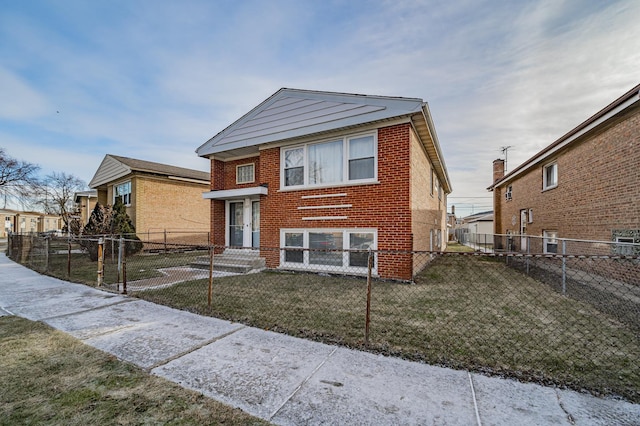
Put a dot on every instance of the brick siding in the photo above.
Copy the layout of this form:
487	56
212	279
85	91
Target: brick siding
597	189
385	205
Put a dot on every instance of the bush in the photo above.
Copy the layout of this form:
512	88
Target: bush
110	221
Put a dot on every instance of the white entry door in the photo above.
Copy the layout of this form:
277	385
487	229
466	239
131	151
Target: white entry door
243	223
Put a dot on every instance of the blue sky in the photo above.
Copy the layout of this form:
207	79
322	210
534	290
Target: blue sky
155	79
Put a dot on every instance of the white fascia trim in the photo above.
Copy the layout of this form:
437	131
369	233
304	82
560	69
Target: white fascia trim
235	193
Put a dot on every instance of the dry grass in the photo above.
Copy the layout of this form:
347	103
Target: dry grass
47	377
464	311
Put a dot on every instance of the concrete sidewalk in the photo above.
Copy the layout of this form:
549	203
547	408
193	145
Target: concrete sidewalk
287	380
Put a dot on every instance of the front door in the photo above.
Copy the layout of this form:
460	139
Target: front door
243	223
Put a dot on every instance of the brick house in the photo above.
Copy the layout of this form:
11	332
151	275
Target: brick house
582	186
158	197
322	170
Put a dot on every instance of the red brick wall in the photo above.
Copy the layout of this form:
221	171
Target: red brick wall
384	205
230	173
597	188
217	206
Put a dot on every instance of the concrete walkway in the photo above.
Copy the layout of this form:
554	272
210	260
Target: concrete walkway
286	380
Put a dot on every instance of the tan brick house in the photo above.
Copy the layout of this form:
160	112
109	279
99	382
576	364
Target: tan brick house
582	186
25	222
158	197
85	202
323	170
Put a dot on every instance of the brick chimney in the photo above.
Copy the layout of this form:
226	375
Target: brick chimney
498	170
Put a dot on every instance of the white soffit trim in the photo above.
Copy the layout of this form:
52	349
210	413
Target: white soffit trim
235	193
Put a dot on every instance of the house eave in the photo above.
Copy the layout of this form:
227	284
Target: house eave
629	100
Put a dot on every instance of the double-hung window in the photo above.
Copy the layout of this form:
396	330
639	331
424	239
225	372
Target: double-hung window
550	241
333	162
550	176
331	250
122	190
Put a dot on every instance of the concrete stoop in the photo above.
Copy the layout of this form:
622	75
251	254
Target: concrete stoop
233	260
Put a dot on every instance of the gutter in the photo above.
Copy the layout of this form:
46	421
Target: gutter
626	101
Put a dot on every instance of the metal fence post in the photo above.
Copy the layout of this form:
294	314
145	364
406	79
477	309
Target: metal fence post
368	311
564	267
69	259
165	241
210	290
46	253
528	253
100	261
120	250
124	271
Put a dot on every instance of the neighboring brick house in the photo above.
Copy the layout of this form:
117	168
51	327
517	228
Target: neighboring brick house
322	170
158	197
582	186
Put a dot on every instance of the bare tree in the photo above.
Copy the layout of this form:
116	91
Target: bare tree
55	195
17	179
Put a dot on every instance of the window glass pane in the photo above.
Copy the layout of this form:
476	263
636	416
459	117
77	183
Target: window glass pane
359	241
551	241
551	175
293	177
245	173
361	147
294	167
625	247
293	239
361	169
325	241
123	191
294	158
325	162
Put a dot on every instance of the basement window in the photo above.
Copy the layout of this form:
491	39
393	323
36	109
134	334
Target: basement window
330	250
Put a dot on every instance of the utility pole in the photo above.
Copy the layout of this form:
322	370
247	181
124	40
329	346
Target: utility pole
505	151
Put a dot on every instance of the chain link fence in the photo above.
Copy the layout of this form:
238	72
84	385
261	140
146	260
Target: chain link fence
569	320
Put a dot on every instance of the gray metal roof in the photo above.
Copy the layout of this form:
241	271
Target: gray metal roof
114	167
292	113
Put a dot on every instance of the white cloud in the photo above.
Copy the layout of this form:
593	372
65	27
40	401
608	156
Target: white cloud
20	100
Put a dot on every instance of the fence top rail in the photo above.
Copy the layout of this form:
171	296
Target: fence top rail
564	239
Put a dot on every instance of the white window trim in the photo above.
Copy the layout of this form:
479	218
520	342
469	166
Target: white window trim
253	174
548	240
306	266
130	191
624	247
546	186
345	163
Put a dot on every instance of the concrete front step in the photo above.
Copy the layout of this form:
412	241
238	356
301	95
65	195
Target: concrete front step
236	261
